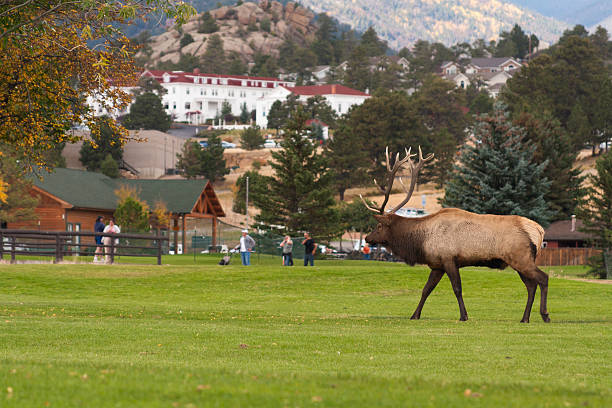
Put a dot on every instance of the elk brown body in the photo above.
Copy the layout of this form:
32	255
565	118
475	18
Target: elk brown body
453	238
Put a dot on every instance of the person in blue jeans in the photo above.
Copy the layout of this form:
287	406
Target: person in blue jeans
310	247
246	245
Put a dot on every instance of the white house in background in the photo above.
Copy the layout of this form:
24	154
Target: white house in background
193	97
339	97
478	65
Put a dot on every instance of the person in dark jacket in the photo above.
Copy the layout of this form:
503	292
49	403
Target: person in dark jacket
310	248
98	227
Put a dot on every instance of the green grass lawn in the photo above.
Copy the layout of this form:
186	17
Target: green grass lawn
338	334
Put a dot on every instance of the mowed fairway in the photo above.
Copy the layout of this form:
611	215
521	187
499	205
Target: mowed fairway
338	334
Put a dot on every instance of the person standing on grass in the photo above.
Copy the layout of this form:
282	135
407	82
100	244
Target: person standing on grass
246	245
287	246
98	227
111	228
310	247
366	252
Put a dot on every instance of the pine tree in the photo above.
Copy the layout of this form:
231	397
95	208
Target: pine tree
212	164
300	196
207	24
553	146
496	173
251	138
109	167
213	60
147	112
596	214
108	142
189	160
348	162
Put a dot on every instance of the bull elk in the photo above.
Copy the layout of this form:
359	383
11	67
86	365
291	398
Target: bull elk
452	238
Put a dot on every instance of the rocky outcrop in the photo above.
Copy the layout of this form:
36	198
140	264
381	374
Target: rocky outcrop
241	31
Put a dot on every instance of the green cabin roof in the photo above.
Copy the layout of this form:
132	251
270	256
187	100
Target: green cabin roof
84	189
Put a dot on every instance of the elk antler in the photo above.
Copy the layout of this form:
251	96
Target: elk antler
391	171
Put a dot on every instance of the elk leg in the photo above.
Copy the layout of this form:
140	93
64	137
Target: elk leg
432	282
531	286
542	280
453	275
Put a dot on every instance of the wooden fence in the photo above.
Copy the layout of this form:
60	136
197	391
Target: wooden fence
66	243
565	256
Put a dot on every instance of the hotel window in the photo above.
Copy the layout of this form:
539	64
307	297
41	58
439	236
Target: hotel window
187	91
173	105
187	105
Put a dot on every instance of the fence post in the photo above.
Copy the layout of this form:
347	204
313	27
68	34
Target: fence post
58	248
159	251
1	245
13	249
112	251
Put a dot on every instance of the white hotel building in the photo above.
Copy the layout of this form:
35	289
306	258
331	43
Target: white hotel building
195	97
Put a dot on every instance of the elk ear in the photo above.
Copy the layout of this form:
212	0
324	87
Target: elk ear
383	219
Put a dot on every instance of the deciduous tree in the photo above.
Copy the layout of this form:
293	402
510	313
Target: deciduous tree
48	67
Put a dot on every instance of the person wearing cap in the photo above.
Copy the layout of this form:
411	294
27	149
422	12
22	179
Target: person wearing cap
246	245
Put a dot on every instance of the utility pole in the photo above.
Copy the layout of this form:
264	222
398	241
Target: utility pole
246	207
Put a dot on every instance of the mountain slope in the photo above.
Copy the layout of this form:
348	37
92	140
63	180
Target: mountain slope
585	12
402	22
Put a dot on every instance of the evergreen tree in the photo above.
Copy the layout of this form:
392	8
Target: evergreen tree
299	197
244	113
358	75
251	138
109	167
207	25
355	217
108	142
347	160
496	173
213	165
277	116
213	60
389	119
189	159
147	112
19	204
553	146
318	108
258	185
573	84
186	40
439	104
596	214
372	45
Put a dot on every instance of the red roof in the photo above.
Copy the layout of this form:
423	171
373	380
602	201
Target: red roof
316	121
331	89
236	80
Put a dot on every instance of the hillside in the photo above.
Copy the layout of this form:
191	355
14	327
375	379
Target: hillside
241	30
585	12
403	22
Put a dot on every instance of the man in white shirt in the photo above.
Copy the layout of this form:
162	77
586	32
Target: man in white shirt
246	246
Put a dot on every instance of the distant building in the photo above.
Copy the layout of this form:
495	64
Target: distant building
488	73
566	233
194	97
339	97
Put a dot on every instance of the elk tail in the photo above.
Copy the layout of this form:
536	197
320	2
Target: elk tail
536	236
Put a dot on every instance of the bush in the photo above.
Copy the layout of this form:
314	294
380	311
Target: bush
251	138
187	39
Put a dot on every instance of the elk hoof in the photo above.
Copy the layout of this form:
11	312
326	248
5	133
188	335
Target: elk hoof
546	318
463	318
415	317
524	320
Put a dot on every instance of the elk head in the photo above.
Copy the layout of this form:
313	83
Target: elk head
382	232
